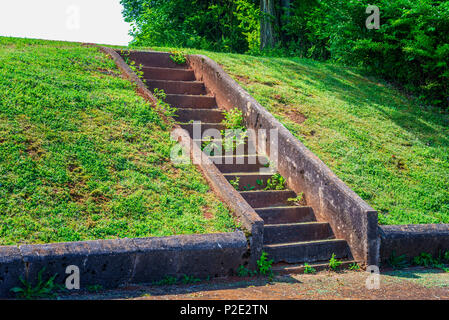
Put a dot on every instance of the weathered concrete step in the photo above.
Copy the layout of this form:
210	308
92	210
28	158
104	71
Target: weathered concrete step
155	59
261	199
296	232
240	168
191	101
178	87
156	73
242	149
284	268
201	129
244	166
203	115
311	251
249	180
279	215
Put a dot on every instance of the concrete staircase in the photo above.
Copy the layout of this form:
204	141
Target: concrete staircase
291	233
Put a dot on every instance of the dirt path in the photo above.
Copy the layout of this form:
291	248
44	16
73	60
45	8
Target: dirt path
413	283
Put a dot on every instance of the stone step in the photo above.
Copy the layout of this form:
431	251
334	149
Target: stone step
242	150
203	115
202	127
178	87
296	232
262	199
156	73
280	215
240	167
287	268
311	251
249	180
191	101
155	59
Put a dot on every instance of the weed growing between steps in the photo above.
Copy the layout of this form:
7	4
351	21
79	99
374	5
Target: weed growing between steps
392	151
83	157
178	57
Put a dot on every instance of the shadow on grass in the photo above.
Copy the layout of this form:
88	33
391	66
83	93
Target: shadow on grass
425	123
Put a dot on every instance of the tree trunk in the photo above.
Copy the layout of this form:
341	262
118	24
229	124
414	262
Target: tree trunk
268	37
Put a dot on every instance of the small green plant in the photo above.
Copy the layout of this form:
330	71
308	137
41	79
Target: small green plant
235	183
446	256
242	271
309	269
189	279
163	106
132	65
232	138
354	266
233	119
298	200
425	259
334	263
95	288
248	187
276	182
178	57
43	289
397	262
264	265
167	281
259	182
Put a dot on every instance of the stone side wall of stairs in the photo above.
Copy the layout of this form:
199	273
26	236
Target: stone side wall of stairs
201	91
350	218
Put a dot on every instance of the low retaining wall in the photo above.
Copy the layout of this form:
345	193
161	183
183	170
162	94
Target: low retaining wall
111	263
414	239
350	217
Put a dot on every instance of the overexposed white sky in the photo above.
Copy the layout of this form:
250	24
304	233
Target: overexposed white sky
97	21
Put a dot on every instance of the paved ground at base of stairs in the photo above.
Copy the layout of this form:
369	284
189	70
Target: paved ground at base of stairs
410	283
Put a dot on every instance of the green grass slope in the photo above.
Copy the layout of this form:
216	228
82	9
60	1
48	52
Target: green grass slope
83	157
389	150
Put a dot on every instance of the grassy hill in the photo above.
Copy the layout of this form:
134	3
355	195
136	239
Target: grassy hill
393	152
83	157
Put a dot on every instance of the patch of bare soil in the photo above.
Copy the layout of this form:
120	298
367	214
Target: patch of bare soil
349	285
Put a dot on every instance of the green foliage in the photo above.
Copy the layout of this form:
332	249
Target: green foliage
233	119
424	259
42	289
219	25
161	105
354	266
309	269
410	48
235	183
397	262
189	279
242	271
178	57
248	187
334	263
390	150
83	157
276	182
264	265
298	200
95	288
167	281
427	260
